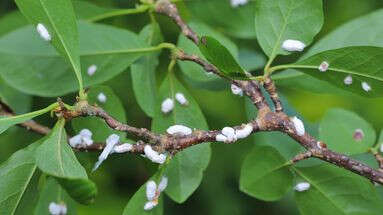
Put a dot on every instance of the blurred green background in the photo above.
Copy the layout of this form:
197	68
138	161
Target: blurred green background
121	175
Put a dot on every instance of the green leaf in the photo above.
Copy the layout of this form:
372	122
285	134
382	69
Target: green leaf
96	125
53	192
143	71
17	101
185	170
362	63
6	122
12	21
84	191
195	72
136	204
55	157
237	22
27	62
337	130
336	191
59	18
220	57
277	21
250	59
19	180
90	12
265	174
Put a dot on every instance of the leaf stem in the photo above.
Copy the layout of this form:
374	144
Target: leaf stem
138	9
38	112
288	66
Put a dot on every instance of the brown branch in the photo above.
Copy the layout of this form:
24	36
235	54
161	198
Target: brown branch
272	90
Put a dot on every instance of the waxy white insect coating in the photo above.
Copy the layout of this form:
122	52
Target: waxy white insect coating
236	3
126	147
229	132
244	132
181	99
179	130
43	32
153	155
293	45
303	186
82	140
299	126
366	87
221	138
381	147
150	205
101	97
163	183
358	135
323	67
167	105
236	90
92	69
57	209
111	142
348	80
151	189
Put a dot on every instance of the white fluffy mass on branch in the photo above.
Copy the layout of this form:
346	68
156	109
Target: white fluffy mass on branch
111	142
299	126
153	155
82	140
179	130
236	90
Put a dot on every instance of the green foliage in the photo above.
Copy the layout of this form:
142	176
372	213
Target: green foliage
336	191
16	100
83	191
338	128
220	57
59	19
55	157
265	174
97	126
291	19
28	61
185	170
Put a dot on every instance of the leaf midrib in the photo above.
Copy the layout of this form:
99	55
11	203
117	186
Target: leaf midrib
24	189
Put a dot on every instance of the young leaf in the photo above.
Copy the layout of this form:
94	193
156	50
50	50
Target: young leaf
6	122
136	204
336	191
346	132
27	61
143	71
55	157
97	126
19	180
195	73
220	57
236	21
265	174
292	19
356	69
185	170
84	191
53	192
59	19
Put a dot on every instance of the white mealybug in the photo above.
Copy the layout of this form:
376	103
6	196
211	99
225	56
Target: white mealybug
101	97
92	69
167	105
236	90
153	155
181	99
163	184
126	147
236	3
221	138
43	32
82	140
150	205
358	134
302	186
323	67
299	126
179	130
111	142
366	87
381	147
229	132
347	80
57	209
244	132
151	190
293	45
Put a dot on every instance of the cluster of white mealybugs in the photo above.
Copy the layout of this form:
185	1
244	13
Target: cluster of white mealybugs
293	45
168	104
81	140
298	125
229	134
179	130
112	147
236	90
43	32
236	3
57	209
153	192
302	186
154	156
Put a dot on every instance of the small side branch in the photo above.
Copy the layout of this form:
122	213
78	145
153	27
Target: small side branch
272	90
